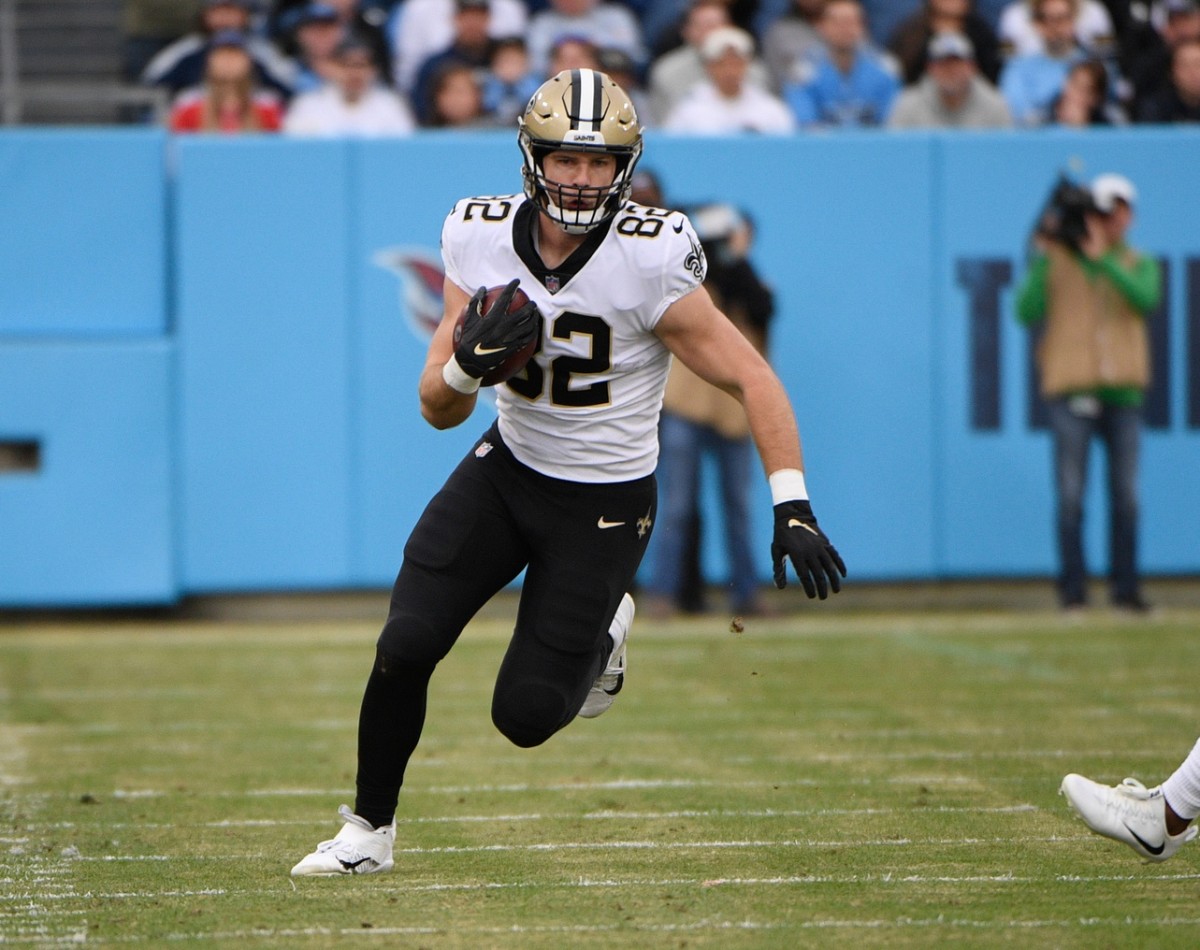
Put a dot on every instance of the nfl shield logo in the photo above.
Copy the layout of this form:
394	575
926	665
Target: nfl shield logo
552	283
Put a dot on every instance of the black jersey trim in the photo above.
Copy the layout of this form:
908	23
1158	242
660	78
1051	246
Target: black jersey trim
553	279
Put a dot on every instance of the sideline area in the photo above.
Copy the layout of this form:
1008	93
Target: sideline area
1035	595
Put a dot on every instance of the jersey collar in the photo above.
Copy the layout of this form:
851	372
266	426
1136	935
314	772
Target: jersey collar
524	221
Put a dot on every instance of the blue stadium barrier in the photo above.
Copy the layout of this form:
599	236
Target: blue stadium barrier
83	246
89	520
262	301
299	281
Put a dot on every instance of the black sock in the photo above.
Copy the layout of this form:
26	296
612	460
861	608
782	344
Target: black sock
389	727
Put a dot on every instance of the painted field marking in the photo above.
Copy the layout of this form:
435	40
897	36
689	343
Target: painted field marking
606	815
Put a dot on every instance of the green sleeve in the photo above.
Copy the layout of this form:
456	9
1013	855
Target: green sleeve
1031	296
1141	284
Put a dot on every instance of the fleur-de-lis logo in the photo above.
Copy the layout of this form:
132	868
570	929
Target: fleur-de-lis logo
695	261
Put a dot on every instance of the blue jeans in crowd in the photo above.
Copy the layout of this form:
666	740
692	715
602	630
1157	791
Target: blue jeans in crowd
682	446
1073	424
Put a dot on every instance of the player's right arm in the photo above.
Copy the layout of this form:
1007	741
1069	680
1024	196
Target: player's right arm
705	341
442	406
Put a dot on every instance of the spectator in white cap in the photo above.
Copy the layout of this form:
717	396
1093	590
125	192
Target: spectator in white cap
1094	293
725	103
672	75
951	93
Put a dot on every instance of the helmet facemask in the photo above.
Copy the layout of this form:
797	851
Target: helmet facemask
579	110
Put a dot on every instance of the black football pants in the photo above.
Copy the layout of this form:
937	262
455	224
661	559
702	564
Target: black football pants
580	545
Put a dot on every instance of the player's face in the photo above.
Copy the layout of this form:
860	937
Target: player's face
576	174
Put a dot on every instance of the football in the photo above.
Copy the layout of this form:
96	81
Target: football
514	363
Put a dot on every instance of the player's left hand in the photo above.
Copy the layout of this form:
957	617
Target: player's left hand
817	563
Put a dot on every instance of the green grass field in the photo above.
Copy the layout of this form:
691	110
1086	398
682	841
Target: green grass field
836	777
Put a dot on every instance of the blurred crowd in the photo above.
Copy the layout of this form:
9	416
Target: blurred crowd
391	67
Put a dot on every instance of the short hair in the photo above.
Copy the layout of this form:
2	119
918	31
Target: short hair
1099	75
1036	7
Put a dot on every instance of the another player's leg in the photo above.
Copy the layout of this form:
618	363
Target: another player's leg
1154	822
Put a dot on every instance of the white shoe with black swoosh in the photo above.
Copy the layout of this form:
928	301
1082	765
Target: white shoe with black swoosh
359	848
1129	813
610	681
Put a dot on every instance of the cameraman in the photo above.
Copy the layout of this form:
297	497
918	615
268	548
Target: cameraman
699	420
1094	366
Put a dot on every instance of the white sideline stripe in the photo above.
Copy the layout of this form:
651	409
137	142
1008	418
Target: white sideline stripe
743	844
700	926
126	895
574	816
641	846
615	884
618	785
899	923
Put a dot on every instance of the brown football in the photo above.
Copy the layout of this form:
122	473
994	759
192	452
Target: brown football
516	361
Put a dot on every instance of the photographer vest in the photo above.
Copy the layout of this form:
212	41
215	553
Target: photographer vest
1094	337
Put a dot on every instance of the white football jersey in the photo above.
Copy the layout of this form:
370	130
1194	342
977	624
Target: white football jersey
586	407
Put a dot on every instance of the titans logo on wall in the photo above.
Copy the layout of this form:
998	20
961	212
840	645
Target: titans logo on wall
421	276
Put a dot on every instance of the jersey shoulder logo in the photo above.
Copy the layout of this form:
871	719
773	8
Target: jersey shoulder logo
695	261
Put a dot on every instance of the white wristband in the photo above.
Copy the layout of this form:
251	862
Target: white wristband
787	484
458	379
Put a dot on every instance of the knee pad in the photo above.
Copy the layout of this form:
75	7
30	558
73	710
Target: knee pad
528	714
406	639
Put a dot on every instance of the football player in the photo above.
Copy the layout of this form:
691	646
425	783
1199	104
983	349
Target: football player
562	485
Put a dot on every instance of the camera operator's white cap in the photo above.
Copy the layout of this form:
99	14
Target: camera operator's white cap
1106	189
715	222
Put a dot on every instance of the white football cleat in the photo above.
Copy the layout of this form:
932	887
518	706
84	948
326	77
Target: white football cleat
358	848
1129	813
610	681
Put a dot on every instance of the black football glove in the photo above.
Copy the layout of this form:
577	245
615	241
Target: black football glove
488	339
814	558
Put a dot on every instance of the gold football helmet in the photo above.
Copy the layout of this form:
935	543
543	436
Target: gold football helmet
579	110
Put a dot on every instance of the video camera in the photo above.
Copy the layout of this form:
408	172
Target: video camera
1064	216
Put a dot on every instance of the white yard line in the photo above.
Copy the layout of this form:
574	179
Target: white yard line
523	788
648	845
802	880
941	922
34	876
576	816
